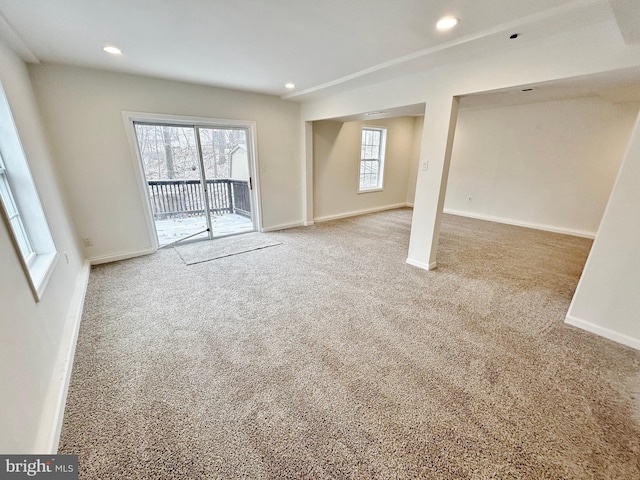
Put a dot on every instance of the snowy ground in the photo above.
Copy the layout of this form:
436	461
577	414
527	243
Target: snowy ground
176	228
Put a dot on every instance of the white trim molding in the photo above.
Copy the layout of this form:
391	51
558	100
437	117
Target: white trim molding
422	265
283	226
56	399
517	223
356	213
603	332
120	256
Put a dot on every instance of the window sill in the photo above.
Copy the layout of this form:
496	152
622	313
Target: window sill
369	190
40	272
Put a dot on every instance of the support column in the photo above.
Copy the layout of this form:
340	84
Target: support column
607	301
433	172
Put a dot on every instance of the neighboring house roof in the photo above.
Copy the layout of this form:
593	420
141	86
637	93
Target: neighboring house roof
238	147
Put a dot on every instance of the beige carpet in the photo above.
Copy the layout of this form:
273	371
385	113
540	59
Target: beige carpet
330	357
205	251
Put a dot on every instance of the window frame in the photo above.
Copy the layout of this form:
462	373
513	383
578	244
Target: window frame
131	118
21	209
13	216
382	147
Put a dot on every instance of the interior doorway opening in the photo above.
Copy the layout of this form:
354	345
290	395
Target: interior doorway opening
197	179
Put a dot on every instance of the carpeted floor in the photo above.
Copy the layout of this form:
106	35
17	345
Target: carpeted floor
330	357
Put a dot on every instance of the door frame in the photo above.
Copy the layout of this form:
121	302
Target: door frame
180	120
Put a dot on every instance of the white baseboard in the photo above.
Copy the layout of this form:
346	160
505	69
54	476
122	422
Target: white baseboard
53	412
508	221
422	265
327	218
282	226
356	213
603	332
119	256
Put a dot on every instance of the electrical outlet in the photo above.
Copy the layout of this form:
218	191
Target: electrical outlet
87	242
425	165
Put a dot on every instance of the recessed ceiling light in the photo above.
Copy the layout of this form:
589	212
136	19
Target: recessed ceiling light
290	86
112	50
447	23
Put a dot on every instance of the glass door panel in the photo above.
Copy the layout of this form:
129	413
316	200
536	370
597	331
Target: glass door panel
171	167
226	170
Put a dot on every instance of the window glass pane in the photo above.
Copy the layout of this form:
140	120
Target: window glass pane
168	152
370	148
369	173
375	138
371	157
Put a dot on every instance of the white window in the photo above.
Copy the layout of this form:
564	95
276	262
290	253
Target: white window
21	208
372	150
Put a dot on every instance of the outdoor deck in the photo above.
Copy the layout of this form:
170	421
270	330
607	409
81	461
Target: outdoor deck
179	209
172	229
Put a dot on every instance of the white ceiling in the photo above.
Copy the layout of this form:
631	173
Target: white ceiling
615	87
258	45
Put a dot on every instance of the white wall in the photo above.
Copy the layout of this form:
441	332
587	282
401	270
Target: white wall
549	165
336	163
418	126
607	300
82	109
35	337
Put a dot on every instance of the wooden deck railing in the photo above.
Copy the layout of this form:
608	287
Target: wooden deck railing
183	198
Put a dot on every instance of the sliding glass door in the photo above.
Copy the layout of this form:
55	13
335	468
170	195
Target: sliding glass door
226	170
198	180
